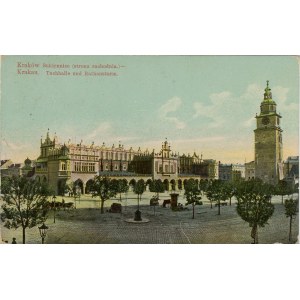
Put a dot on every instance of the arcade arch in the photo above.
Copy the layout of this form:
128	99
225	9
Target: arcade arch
78	186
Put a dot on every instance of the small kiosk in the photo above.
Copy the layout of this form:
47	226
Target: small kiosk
174	199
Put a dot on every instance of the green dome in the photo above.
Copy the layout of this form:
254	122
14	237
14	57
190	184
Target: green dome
27	161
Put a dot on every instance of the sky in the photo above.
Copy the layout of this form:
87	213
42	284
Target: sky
205	104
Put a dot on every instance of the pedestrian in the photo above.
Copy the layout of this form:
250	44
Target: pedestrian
14	240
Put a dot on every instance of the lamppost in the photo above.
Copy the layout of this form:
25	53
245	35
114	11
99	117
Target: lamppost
75	199
43	232
137	215
54	207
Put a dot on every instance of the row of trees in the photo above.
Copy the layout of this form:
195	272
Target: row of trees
216	190
25	201
253	200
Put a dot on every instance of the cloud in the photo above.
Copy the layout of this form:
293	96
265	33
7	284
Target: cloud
103	130
281	98
17	152
8	145
209	112
249	123
172	105
199	140
178	124
220	98
226	108
215	110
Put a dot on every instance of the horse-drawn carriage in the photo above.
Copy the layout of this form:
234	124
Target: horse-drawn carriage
154	201
115	208
60	205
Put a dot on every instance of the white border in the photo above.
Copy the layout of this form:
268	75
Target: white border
157	27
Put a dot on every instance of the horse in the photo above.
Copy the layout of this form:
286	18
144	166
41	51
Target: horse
166	202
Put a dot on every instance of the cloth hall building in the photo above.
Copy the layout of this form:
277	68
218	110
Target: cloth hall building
67	164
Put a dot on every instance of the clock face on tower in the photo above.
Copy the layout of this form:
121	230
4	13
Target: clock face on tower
265	120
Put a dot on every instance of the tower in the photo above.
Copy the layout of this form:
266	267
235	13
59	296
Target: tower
268	141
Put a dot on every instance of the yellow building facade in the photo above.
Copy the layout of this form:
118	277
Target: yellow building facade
69	164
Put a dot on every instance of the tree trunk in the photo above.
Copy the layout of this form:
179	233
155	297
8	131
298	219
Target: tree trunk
102	206
219	208
230	201
254	234
193	211
23	235
281	199
290	233
210	204
120	197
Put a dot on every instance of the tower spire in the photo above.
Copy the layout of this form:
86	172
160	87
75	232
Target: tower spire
267	94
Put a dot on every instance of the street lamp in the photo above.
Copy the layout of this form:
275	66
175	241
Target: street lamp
74	195
54	208
43	231
138	214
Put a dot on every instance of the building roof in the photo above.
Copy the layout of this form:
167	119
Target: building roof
15	166
4	161
292	158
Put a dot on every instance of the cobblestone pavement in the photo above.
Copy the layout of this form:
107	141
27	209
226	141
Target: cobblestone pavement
86	225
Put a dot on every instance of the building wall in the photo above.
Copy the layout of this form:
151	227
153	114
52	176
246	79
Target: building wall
231	172
249	170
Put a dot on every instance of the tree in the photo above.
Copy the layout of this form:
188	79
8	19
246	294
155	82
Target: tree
254	204
283	188
229	189
122	187
216	193
139	189
291	209
157	186
25	203
192	194
203	185
104	188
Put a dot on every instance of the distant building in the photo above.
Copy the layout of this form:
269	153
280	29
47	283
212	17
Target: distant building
5	164
231	172
291	170
205	168
8	168
250	170
291	167
210	169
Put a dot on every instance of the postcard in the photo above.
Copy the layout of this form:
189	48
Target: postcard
149	149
